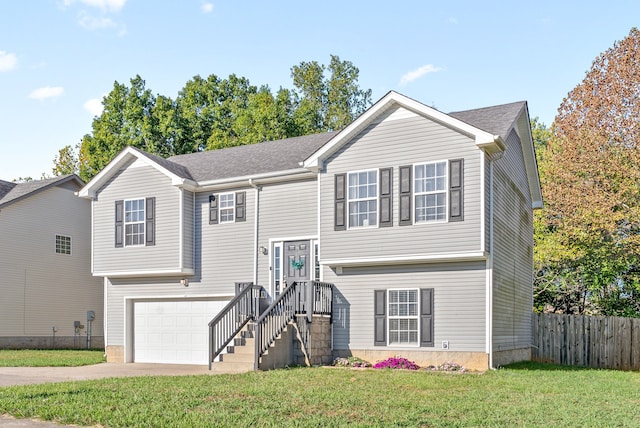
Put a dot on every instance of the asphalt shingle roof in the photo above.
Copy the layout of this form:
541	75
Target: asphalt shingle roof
5	187
18	191
270	156
496	120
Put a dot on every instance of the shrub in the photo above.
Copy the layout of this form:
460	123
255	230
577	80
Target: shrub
396	363
351	362
448	367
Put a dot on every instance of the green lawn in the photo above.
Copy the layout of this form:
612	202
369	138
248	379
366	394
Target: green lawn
44	358
521	395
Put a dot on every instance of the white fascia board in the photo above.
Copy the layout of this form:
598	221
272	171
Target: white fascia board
484	140
146	273
257	179
407	259
89	190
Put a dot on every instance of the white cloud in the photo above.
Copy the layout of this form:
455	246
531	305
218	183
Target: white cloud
206	7
91	23
417	73
94	106
47	92
8	61
453	21
105	5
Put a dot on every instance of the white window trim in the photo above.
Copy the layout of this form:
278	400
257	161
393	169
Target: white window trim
389	317
125	223
416	194
272	276
62	235
232	208
376	198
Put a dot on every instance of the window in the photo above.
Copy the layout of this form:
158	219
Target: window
227	207
134	224
316	257
63	244
430	189
363	198
403	317
277	269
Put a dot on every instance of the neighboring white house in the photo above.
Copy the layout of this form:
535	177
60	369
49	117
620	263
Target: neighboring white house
422	220
45	259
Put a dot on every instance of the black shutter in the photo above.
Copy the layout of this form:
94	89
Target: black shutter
150	221
405	195
213	209
119	223
340	191
380	318
456	195
386	185
240	206
426	317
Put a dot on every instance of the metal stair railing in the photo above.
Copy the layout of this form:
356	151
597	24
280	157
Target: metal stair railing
233	317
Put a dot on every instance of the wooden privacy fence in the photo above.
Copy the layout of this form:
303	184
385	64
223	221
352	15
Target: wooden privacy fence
576	340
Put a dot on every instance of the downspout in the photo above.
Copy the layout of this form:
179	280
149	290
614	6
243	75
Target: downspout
490	260
255	230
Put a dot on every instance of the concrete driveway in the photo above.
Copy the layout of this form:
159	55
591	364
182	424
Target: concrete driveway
32	375
10	376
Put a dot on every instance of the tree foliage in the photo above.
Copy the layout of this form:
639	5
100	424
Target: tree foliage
213	112
589	233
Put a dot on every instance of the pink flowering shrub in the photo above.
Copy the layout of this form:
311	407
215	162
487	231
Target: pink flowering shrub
396	363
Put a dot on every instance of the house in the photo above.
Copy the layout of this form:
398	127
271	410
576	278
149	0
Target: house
421	221
48	292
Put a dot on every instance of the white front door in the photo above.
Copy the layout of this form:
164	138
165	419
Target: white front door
173	332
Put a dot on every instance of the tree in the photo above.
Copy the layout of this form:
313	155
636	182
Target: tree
66	162
328	103
213	113
591	184
126	120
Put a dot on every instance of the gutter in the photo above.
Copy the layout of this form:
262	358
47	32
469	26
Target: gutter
267	177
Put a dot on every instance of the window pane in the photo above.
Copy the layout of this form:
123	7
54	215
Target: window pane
403	316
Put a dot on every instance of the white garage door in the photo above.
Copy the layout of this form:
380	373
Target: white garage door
173	332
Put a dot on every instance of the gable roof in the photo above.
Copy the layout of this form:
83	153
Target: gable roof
19	191
252	159
485	140
488	126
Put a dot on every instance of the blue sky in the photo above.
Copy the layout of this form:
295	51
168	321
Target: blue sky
58	58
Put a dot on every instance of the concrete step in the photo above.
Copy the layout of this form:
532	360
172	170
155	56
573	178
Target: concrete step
244	357
232	367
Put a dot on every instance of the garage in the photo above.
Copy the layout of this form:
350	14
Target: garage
173	331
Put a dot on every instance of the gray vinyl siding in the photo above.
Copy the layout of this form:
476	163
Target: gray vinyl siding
188	227
137	182
223	252
513	251
459	303
287	210
398	140
41	289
